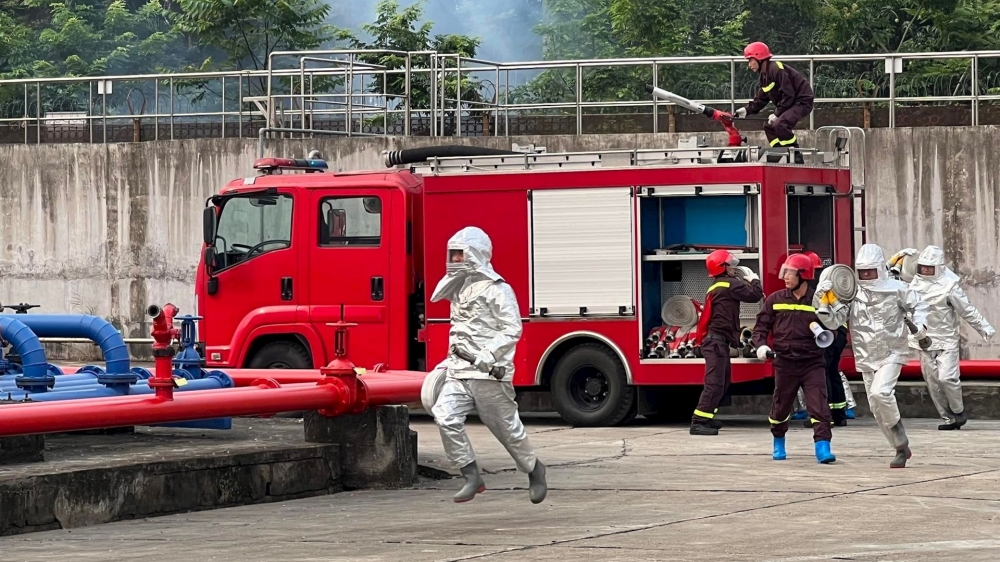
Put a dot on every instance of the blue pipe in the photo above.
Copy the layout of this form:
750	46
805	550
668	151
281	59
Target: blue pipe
79	326
70	381
25	341
215	380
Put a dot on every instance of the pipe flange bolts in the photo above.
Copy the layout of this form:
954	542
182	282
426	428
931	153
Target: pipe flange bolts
115	379
25	382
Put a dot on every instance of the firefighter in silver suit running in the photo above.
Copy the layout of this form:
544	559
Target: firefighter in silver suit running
878	317
947	303
485	329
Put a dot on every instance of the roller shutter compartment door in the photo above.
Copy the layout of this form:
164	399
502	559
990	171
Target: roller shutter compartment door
582	252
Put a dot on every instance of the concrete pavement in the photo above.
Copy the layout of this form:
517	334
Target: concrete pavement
642	492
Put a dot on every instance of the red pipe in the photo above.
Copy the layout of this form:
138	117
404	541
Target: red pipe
389	390
245	377
163	333
330	396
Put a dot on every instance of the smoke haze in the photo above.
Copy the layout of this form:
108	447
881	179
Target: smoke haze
504	27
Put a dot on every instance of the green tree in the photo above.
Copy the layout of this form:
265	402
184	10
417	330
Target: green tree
581	29
47	38
900	26
248	31
396	29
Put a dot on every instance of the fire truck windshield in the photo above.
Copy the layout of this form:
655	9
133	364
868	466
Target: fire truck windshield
252	225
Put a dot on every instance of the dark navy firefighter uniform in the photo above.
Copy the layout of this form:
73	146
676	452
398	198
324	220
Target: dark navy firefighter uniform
719	330
798	361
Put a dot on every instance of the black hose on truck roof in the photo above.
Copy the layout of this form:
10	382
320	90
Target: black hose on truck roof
412	155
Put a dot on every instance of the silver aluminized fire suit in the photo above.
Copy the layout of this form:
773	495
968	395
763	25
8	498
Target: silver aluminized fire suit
485	329
947	304
876	319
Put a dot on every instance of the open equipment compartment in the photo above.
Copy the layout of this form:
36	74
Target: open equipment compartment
810	211
678	227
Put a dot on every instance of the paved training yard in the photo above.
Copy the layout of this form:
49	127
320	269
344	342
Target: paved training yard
642	492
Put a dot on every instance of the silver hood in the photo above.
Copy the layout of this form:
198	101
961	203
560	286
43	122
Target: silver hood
946	303
876	315
485	319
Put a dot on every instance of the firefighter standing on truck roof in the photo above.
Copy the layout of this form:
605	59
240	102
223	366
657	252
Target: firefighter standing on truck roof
718	330
799	361
785	87
878	317
485	329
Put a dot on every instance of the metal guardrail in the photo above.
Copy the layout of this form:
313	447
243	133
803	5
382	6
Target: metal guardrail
347	91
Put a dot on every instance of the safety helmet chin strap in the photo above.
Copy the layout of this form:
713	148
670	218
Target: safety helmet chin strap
802	281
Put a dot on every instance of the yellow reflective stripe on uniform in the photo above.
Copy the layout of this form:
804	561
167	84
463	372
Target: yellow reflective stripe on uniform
802	307
701	414
768	88
719	285
787	142
838	405
776	422
780	65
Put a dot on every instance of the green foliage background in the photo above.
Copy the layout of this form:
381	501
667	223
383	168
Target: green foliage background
47	38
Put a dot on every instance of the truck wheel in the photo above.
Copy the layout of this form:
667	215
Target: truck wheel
281	355
589	387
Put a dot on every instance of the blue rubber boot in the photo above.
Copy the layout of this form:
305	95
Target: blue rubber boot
798	416
823	453
850	413
779	449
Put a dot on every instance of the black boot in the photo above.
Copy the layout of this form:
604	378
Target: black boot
473	483
703	428
839	417
714	423
537	488
902	447
960	420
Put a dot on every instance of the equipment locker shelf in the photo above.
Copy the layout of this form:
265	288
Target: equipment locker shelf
678	228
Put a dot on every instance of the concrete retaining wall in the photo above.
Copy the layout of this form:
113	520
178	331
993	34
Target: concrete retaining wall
108	229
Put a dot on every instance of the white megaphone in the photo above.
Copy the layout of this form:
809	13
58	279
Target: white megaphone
824	337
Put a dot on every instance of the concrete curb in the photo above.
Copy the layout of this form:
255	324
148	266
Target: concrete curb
374	449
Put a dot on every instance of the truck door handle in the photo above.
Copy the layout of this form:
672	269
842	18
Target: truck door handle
378	289
286	288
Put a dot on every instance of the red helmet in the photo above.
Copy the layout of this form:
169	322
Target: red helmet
801	264
756	50
717	261
817	263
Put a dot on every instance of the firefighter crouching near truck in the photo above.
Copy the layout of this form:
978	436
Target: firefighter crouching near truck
786	88
798	360
718	330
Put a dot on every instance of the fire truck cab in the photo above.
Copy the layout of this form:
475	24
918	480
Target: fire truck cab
593	244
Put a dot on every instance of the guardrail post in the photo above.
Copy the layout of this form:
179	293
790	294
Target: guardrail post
975	90
656	107
579	99
406	110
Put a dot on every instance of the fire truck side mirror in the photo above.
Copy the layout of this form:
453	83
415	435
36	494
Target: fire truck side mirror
209	222
209	256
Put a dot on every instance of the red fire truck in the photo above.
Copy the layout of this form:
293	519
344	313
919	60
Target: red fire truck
593	244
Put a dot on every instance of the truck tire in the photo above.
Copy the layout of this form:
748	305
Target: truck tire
590	389
281	355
